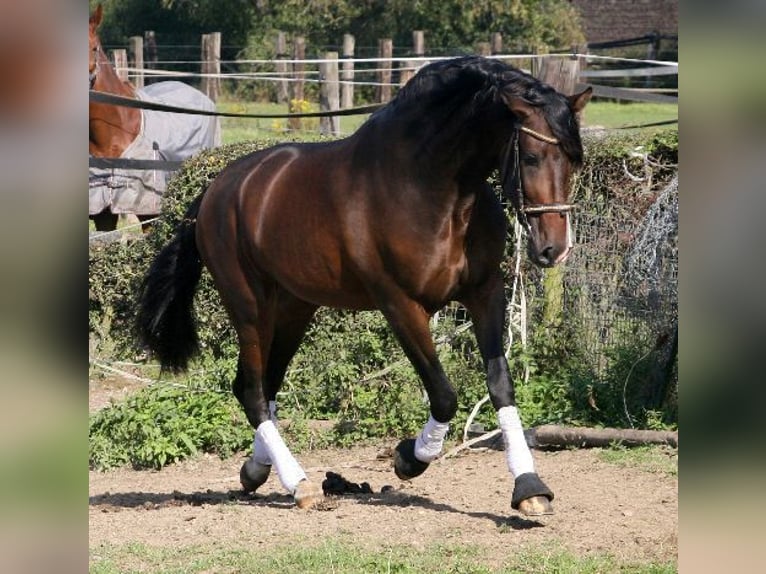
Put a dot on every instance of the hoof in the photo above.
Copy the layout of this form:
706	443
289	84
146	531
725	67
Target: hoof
253	474
307	495
530	495
406	466
536	506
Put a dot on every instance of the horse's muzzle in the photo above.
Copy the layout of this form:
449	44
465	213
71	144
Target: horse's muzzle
549	254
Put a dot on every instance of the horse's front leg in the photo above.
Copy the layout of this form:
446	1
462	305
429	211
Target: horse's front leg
409	322
487	308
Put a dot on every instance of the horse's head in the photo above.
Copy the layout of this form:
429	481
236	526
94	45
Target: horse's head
537	173
94	44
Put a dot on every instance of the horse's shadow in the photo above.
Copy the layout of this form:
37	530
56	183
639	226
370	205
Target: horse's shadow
158	500
155	501
403	500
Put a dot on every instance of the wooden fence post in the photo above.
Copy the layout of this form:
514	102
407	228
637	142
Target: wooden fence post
120	61
537	63
582	63
385	51
329	96
652	53
653	47
496	43
418	43
211	64
280	48
418	50
136	45
150	45
347	89
296	92
203	66
561	73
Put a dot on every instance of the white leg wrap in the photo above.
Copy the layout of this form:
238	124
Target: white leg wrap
516	450
260	454
430	441
289	471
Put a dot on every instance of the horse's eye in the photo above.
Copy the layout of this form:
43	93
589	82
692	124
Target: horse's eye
531	160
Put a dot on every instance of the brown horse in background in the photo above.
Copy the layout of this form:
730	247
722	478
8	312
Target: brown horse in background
119	131
111	128
397	217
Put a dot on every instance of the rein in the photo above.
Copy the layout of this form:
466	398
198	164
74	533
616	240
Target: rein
517	192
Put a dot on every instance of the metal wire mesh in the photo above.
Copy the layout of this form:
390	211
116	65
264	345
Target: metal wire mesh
620	284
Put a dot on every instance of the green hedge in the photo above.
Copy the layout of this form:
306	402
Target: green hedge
330	377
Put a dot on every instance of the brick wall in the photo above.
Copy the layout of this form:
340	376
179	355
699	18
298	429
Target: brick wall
605	20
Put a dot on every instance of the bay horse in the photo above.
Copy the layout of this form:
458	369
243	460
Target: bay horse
398	217
118	131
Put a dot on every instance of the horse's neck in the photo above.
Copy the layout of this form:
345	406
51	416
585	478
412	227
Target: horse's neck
112	128
462	150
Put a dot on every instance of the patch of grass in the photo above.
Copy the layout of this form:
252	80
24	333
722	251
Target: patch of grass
657	459
247	129
343	557
616	114
562	561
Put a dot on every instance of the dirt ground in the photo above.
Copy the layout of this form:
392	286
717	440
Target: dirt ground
464	500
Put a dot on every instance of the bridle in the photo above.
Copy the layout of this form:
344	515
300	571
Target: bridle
516	195
92	75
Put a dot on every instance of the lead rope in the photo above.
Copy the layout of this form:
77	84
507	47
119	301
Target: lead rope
516	195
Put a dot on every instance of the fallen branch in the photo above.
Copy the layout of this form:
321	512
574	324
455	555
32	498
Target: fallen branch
550	436
554	436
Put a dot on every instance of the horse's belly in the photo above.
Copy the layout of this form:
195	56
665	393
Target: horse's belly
355	299
319	275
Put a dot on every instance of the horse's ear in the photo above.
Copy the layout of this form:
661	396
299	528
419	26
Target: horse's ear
95	19
579	101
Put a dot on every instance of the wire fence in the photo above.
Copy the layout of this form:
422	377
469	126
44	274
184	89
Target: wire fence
615	300
239	70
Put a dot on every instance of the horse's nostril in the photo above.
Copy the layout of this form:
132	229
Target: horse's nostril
546	254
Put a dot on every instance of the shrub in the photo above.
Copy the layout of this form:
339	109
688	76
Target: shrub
163	424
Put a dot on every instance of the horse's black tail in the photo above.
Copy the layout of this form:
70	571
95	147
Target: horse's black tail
165	322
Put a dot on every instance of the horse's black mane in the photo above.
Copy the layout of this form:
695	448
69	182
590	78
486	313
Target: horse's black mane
477	81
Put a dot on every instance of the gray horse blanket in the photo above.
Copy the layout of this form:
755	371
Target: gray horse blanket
163	136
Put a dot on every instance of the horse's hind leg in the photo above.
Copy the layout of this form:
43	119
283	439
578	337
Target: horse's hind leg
256	469
487	308
252	305
105	220
292	319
